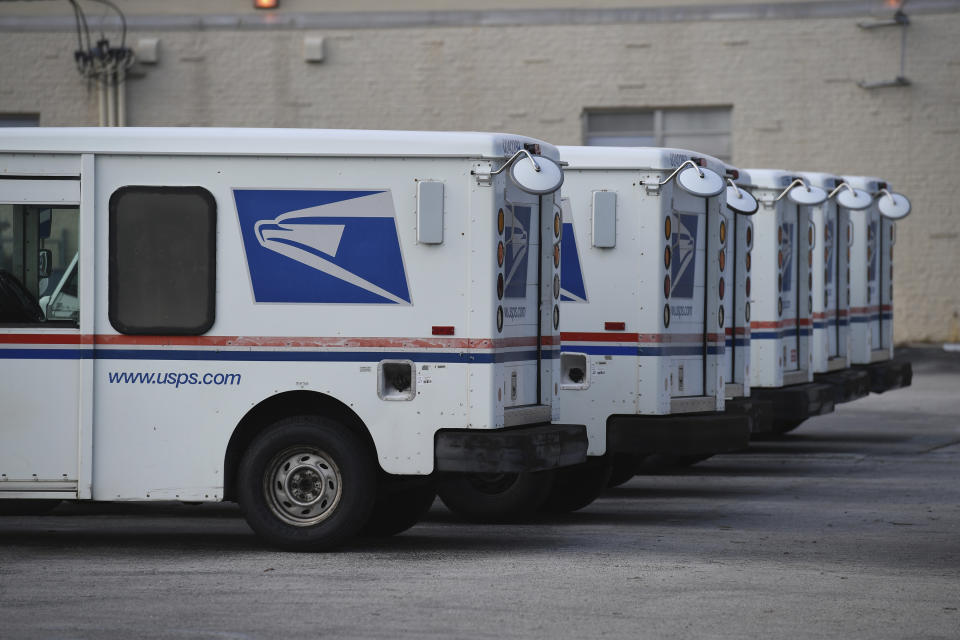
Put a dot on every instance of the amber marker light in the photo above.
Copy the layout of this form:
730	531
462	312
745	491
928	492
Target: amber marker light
266	4
666	227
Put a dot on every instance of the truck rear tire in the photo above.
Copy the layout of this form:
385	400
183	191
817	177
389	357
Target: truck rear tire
495	497
624	468
27	507
306	483
660	462
399	506
577	486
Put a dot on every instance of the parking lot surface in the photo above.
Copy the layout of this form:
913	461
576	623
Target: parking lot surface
847	527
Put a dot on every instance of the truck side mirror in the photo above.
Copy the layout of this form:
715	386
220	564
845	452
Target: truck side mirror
44	258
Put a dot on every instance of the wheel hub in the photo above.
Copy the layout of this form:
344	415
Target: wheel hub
302	486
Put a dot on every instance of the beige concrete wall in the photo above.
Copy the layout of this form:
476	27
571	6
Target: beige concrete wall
792	85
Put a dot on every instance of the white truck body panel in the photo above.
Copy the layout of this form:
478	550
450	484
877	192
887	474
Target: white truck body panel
739	260
780	316
639	364
831	309
871	302
94	413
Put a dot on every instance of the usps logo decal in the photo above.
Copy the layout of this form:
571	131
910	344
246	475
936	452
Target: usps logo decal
683	268
322	246
872	251
517	239
787	247
572	286
828	253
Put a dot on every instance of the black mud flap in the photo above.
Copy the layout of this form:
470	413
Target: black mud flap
678	434
530	448
789	406
848	384
758	412
890	374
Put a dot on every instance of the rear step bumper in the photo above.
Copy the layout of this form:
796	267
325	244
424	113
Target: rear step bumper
535	447
680	434
889	374
848	384
789	406
758	412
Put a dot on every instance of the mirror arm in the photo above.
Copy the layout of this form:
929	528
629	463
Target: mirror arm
513	158
842	185
677	170
796	182
736	189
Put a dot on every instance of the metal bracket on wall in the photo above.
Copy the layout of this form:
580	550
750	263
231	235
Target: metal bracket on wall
899	19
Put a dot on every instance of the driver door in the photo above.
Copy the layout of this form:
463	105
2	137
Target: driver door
40	341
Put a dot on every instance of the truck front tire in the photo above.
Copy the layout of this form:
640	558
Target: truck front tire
577	486
306	483
500	497
400	504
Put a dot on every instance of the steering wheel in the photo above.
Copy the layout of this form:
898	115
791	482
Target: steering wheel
17	304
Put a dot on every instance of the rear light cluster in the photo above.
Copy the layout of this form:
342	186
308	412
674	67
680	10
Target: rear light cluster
747	260
667	258
721	262
557	226
501	256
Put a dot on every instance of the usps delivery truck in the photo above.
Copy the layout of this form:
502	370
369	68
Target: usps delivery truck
828	286
738	253
314	324
643	291
781	302
873	232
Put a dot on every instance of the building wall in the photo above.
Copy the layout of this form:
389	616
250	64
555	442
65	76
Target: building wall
791	83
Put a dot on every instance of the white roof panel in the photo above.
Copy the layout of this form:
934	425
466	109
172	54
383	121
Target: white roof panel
826	181
634	158
769	178
260	142
868	183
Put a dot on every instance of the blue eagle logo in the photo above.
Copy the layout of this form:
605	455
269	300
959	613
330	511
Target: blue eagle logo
683	267
322	246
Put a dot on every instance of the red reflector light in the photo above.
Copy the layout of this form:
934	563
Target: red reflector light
443	331
614	326
265	4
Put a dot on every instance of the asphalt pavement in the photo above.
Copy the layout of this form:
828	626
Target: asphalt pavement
848	527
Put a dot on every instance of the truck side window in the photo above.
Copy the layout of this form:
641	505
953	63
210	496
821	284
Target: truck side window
162	260
38	245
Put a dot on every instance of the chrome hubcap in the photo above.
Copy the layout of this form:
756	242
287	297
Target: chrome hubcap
302	486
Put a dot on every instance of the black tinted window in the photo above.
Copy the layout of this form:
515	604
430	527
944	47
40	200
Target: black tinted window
162	260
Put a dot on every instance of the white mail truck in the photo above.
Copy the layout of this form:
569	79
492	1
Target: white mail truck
315	324
738	253
781	372
644	293
828	286
873	234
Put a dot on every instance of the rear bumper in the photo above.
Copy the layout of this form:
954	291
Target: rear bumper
890	374
682	434
792	405
758	413
536	447
848	384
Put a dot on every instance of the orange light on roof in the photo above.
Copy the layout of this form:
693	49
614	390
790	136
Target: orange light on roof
265	4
